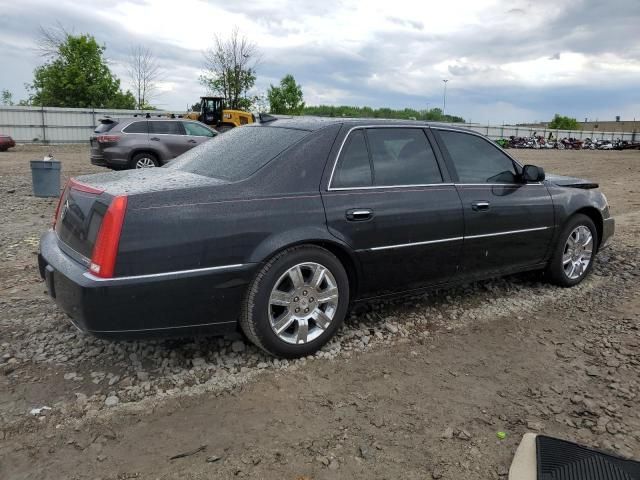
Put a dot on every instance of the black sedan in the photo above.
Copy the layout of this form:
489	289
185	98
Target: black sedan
279	227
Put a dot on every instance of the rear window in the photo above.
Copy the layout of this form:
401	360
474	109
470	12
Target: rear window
136	127
238	153
166	128
104	126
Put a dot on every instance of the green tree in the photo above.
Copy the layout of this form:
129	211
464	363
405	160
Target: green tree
432	115
563	123
230	69
7	97
77	75
286	99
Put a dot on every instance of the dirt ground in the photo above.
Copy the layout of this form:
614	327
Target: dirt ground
415	388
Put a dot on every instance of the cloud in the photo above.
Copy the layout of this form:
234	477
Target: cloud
506	60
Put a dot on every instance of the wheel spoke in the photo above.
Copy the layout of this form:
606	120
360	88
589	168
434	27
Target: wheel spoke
303	331
280	298
303	303
318	276
566	258
295	274
321	319
283	322
327	295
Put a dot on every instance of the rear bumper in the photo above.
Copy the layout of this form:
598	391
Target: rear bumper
608	229
109	157
147	305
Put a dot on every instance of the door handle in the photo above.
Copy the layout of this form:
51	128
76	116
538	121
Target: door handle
192	141
480	206
359	214
155	139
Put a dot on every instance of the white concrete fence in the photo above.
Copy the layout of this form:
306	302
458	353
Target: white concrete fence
74	125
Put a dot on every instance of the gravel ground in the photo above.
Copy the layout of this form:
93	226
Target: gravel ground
413	388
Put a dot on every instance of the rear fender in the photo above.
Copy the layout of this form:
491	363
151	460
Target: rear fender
312	236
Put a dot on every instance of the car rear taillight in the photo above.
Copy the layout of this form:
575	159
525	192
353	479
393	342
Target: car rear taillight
83	187
57	214
108	138
103	259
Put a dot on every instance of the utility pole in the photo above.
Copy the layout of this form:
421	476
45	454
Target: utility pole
444	97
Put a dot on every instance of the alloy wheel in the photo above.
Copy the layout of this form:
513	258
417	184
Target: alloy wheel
577	252
303	303
145	162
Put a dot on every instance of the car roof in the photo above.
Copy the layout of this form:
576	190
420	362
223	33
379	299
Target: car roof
315	123
155	119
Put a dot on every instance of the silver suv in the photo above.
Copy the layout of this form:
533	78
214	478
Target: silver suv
144	142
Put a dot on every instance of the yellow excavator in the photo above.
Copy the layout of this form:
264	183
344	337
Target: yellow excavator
213	113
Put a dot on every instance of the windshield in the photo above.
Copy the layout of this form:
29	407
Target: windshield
238	153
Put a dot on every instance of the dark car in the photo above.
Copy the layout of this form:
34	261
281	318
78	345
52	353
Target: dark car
6	142
144	142
279	227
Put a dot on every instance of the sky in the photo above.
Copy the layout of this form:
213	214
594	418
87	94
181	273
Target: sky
505	61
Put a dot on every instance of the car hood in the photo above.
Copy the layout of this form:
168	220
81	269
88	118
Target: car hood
147	180
574	182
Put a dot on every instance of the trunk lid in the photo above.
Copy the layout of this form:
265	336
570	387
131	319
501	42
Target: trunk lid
86	199
146	180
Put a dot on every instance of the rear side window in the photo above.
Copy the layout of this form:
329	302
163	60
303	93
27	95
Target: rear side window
237	153
402	156
104	126
354	169
136	127
166	128
477	160
196	130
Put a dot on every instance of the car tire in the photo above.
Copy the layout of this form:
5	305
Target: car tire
574	253
144	160
290	310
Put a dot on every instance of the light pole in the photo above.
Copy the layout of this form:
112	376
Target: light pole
444	97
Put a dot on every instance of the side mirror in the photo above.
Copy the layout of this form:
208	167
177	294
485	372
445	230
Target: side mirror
531	173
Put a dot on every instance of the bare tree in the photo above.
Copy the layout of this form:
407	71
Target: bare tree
230	68
144	73
50	39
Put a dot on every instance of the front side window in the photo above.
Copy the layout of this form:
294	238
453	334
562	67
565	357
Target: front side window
402	156
353	169
136	127
196	130
166	128
477	160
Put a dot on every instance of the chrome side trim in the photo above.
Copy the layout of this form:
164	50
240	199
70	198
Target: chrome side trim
90	276
454	239
510	232
160	328
361	127
497	184
414	244
378	187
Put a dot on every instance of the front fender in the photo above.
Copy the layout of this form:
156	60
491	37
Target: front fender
568	201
